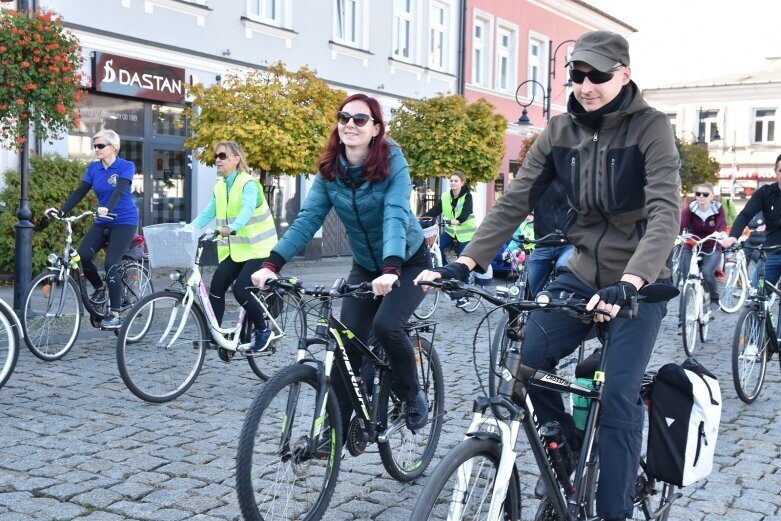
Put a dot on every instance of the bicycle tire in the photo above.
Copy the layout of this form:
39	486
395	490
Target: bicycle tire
439	494
733	294
153	368
9	345
750	346
136	284
265	453
406	454
50	336
704	324
472	301
644	493
281	352
690	319
429	304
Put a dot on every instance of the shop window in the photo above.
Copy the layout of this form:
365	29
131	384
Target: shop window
167	121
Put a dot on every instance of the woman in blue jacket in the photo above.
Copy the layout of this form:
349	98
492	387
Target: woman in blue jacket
364	177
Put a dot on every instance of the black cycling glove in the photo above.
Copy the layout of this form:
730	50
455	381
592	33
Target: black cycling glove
453	270
619	293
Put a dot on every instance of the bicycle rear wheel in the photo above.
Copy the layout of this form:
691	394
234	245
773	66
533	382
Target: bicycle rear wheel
281	352
279	475
690	319
136	284
406	454
645	490
733	293
750	347
165	361
461	486
51	315
9	345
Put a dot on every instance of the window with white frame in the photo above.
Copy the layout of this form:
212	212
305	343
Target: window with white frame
266	11
764	125
709	126
348	22
537	70
403	29
505	59
481	50
438	34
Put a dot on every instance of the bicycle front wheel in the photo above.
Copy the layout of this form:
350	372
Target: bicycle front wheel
690	319
281	473
51	315
9	345
164	362
430	302
733	293
291	321
750	347
136	284
406	454
461	486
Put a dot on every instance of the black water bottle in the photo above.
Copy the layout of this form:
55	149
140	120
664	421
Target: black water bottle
560	454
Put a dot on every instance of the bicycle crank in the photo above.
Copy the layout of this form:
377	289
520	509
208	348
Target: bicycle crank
356	438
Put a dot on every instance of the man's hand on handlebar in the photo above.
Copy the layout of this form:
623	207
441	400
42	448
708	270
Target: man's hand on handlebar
612	298
260	277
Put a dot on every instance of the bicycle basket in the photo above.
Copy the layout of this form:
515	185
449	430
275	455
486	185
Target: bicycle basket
170	245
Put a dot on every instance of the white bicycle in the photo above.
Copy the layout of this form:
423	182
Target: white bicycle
165	361
695	298
735	290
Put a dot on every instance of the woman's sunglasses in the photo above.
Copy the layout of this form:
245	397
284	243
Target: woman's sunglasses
222	156
701	194
100	146
594	76
359	119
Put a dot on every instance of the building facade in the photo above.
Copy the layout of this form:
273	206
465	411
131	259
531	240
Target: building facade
736	116
141	54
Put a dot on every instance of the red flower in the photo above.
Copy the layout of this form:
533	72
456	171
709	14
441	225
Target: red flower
25	64
20	101
20	140
61	108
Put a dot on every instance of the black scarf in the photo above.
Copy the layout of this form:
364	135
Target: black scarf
593	120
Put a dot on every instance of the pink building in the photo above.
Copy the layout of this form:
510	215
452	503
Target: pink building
511	41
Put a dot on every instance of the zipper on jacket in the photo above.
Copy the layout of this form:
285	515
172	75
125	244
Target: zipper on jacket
612	185
597	278
365	233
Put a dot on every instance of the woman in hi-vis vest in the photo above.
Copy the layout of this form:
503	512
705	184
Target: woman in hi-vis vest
455	206
244	220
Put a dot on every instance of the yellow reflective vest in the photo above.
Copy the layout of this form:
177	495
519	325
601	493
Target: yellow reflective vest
255	239
464	231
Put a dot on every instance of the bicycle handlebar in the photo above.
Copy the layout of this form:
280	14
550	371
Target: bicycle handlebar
339	288
89	213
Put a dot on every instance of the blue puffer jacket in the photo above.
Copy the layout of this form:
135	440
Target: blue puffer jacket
377	216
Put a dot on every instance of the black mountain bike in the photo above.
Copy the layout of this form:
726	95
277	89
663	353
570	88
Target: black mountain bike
291	442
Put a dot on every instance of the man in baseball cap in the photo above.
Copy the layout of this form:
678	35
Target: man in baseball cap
602	50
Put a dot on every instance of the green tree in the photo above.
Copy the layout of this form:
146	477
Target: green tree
696	165
52	178
445	133
282	119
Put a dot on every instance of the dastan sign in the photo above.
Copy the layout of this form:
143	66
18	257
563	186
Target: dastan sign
136	78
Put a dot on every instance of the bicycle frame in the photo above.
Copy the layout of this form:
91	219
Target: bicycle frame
225	337
761	301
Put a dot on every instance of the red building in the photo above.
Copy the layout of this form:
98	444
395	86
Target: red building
515	56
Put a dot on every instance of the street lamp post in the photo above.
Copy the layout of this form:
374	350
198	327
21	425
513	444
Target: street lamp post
547	92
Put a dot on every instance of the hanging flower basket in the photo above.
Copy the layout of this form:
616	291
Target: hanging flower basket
40	82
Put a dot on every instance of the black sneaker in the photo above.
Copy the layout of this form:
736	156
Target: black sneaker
417	412
99	296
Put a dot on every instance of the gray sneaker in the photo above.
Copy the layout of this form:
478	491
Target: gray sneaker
111	322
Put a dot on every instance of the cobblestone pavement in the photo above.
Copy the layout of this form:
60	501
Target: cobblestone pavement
76	444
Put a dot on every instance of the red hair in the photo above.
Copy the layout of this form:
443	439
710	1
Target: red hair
377	164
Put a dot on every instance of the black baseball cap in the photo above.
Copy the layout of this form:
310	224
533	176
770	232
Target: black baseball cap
601	49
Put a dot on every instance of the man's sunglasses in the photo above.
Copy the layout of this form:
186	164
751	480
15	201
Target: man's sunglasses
359	119
100	146
701	194
222	156
594	76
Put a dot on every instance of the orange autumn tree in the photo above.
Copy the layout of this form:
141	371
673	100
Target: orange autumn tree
40	83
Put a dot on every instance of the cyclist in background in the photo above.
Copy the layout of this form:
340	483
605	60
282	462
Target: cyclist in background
364	177
244	220
616	157
766	199
110	178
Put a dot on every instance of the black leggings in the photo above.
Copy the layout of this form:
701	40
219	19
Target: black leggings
118	238
384	317
227	272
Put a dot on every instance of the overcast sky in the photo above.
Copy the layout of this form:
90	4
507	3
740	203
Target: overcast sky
688	39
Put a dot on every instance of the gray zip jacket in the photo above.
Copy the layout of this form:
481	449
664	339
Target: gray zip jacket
623	187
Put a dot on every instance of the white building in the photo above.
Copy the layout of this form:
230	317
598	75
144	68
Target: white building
737	116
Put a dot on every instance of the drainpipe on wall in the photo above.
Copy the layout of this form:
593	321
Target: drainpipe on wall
461	73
